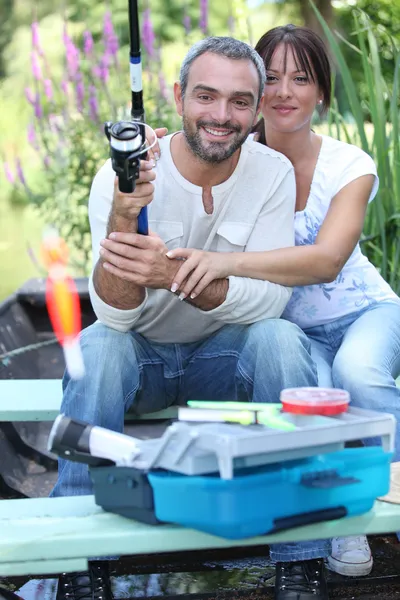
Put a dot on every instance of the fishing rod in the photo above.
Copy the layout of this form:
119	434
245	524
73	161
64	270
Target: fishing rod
137	109
128	138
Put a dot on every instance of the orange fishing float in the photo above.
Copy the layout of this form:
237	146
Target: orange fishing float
62	301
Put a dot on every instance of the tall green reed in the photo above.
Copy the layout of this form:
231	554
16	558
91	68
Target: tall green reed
378	135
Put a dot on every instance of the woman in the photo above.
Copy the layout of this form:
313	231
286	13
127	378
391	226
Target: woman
339	299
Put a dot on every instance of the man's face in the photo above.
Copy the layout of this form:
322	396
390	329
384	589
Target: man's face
219	107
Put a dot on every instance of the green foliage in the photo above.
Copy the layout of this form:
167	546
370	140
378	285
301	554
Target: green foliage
71	145
63	199
381	240
167	17
67	135
67	141
386	28
6	30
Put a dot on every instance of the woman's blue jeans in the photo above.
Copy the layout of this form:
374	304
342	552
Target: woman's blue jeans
126	371
361	354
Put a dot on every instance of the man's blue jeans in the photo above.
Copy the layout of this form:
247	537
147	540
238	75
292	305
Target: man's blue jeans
126	371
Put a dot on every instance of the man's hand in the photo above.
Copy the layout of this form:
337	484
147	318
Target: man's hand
128	206
139	259
125	208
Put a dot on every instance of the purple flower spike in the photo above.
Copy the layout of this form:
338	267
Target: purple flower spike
101	71
163	86
65	87
187	23
80	91
32	136
46	162
72	55
148	36
113	45
87	43
72	60
109	37
108	28
203	16
35	34
96	72
38	107
36	69
9	174
103	68
29	95
93	104
35	38
20	172
48	89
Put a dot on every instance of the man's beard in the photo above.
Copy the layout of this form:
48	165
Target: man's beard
213	152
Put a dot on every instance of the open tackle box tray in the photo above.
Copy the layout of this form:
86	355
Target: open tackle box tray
193	448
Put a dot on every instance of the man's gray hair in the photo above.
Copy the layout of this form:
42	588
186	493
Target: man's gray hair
223	46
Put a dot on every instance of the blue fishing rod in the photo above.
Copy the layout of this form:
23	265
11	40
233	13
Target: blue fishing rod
128	138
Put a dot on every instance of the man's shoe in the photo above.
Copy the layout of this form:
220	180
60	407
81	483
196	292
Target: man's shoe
351	556
302	580
93	584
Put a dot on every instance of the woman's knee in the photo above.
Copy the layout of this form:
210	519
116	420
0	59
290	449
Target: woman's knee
357	374
369	386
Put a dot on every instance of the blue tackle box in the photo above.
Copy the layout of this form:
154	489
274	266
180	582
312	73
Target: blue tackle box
273	497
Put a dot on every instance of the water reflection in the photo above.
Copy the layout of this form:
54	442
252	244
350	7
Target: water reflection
221	577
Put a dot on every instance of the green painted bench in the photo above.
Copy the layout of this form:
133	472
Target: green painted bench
53	535
40	400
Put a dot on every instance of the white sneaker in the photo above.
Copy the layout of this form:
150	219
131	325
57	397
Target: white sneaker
351	556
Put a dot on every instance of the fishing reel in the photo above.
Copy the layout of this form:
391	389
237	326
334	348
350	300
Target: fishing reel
127	146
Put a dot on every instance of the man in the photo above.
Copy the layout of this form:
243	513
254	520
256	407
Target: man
214	190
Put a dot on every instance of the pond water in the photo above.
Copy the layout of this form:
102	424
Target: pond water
239	575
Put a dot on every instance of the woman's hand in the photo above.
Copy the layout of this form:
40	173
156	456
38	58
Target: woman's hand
154	153
198	270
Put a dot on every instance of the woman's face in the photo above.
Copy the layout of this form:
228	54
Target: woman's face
290	96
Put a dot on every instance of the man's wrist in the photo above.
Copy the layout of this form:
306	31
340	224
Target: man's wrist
121	223
170	272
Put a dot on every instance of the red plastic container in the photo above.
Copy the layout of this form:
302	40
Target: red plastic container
315	401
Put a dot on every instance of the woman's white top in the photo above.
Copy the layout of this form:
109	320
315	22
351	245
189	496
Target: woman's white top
359	284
